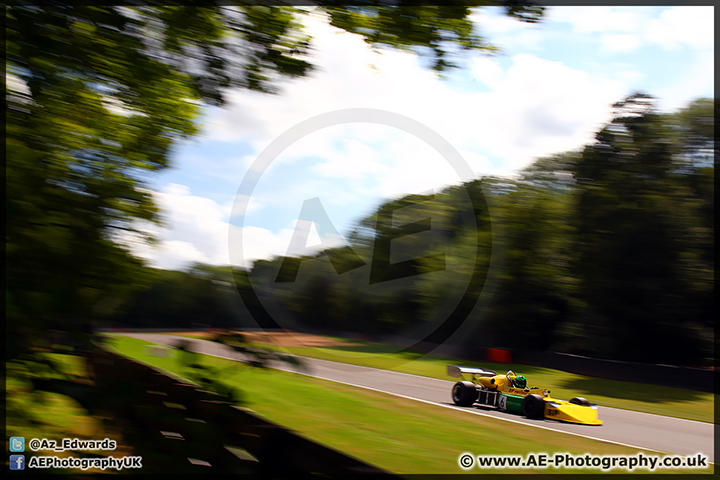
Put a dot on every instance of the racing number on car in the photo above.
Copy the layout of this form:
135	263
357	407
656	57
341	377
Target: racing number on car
552	412
502	403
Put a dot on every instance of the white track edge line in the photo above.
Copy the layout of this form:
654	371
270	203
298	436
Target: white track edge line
318	359
429	378
456	408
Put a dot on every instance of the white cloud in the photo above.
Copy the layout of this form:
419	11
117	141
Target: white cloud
306	237
175	254
343	79
599	18
531	107
508	34
679	26
195	230
693	82
539	107
353	159
415	167
535	107
625	29
619	42
630	77
198	231
249	243
487	70
478	163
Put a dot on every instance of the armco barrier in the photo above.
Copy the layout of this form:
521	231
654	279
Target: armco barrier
178	428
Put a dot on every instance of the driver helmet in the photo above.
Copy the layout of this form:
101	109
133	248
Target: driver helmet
520	381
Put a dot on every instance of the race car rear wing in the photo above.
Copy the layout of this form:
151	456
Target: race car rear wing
457	372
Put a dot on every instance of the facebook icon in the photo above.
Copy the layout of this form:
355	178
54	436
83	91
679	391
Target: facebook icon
17	462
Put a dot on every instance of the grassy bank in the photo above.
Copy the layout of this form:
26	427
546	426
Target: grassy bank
396	434
38	411
673	402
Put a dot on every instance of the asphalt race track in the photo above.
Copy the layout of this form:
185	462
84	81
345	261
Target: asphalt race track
637	429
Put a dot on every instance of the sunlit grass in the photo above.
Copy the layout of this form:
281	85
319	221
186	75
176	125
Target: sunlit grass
396	434
35	413
674	402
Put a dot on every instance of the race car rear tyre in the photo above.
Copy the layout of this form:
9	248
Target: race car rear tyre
464	394
580	401
533	406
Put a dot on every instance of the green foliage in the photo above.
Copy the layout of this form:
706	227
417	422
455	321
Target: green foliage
642	239
96	99
214	378
641	397
535	286
412	245
439	30
607	251
208	377
196	298
376	427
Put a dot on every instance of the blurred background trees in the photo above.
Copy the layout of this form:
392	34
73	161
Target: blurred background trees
97	97
644	245
607	251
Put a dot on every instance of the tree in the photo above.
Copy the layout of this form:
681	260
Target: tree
98	96
642	238
201	296
436	29
605	251
533	296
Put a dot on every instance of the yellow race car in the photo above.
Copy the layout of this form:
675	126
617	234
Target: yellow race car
510	393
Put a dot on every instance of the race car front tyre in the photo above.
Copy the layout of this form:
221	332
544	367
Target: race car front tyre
580	401
464	394
533	406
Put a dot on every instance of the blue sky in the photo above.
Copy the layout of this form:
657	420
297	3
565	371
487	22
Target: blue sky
548	91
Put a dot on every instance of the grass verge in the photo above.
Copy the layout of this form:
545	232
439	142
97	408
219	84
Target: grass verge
399	435
673	402
33	411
